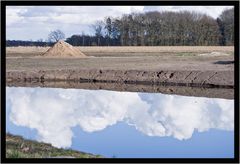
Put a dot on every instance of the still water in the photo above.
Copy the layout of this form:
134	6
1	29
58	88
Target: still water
123	124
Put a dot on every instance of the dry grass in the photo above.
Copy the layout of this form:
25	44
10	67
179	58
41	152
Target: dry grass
29	49
128	49
155	49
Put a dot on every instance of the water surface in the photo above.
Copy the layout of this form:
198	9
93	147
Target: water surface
123	124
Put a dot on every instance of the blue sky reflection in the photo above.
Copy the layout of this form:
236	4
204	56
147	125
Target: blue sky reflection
123	124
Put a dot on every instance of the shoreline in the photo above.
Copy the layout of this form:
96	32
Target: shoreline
195	78
225	93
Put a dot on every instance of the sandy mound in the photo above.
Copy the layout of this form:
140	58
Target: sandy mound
63	49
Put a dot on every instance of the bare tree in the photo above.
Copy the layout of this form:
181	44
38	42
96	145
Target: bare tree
163	29
227	25
56	35
108	28
83	39
98	27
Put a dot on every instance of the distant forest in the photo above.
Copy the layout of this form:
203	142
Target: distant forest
154	29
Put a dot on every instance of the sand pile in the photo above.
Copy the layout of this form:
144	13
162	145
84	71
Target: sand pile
63	49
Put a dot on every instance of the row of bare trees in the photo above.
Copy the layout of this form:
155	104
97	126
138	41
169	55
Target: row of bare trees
167	28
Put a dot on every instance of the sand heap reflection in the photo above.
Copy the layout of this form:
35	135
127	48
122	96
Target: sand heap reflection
53	112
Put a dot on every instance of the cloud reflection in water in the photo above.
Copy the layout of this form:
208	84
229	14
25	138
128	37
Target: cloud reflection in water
53	112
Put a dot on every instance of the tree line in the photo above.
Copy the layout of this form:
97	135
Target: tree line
158	29
14	43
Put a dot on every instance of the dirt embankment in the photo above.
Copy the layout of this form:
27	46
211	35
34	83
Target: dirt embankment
223	79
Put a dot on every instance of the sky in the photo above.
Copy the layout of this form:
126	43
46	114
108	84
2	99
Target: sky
36	22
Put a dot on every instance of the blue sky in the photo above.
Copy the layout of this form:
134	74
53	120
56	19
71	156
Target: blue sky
35	22
159	125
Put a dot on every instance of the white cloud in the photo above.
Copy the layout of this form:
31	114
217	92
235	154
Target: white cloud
181	115
35	22
213	11
12	15
53	112
38	21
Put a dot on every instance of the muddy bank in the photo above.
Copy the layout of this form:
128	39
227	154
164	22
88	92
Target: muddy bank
219	79
225	93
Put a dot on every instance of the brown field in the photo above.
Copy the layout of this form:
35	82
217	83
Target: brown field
179	65
132	49
125	51
124	58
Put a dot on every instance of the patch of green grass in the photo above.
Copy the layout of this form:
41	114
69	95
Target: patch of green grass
17	147
14	154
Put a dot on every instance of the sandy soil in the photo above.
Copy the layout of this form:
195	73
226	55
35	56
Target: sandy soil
179	65
166	62
63	49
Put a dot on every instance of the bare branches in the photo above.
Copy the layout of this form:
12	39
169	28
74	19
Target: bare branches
56	35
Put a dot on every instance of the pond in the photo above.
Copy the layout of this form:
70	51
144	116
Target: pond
123	124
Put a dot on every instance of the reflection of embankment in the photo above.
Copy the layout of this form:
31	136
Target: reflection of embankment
225	93
220	79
